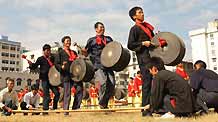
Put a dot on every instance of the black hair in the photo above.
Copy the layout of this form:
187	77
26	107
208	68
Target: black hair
46	46
34	87
64	38
132	12
155	62
138	72
10	79
131	78
201	63
97	23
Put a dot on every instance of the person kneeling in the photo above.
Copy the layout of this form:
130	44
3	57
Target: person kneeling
171	95
31	100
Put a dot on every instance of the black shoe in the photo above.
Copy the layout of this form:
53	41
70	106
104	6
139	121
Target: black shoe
45	114
103	107
216	110
25	114
146	113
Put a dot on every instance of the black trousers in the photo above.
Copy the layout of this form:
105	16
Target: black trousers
146	84
207	99
78	96
10	105
23	107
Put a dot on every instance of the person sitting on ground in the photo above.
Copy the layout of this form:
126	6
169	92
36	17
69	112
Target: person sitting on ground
170	94
8	98
204	83
31	100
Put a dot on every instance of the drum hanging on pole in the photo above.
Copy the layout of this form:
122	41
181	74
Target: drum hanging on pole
115	57
54	76
172	52
82	70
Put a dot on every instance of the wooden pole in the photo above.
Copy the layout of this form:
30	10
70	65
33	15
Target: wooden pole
79	110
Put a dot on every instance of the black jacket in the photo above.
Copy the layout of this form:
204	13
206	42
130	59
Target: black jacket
44	66
136	37
170	83
61	57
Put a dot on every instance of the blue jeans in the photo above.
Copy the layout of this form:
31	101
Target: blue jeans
46	98
106	79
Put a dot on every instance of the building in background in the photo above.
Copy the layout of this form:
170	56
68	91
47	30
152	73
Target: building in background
204	43
10	55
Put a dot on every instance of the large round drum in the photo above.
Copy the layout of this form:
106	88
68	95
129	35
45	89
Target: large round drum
173	52
54	76
82	70
115	57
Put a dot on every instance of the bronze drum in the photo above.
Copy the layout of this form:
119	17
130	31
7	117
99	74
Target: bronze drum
115	57
173	52
54	76
82	70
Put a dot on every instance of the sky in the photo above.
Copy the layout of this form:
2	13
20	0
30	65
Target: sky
36	22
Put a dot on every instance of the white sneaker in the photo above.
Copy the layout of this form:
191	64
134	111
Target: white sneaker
167	116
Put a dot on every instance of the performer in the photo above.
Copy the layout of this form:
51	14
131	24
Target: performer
62	62
20	95
93	93
104	76
204	83
170	93
131	91
138	85
140	36
8	98
31	100
181	71
45	62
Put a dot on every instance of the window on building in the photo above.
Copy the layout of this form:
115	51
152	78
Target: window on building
211	36
18	56
214	59
12	62
213	52
134	67
13	48
19	80
18	49
133	54
4	68
134	59
17	62
12	55
29	81
212	43
5	61
5	47
215	68
11	69
17	69
5	54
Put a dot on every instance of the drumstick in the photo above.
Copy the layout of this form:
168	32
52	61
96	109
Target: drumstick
75	44
84	52
24	57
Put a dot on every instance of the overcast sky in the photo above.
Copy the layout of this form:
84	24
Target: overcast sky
36	22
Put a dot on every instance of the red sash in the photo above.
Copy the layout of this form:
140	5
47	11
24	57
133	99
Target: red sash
99	40
146	27
71	54
49	61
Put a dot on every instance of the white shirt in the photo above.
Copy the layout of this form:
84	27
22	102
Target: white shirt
5	95
30	99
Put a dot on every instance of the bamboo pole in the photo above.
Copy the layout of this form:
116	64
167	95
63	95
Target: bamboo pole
79	110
